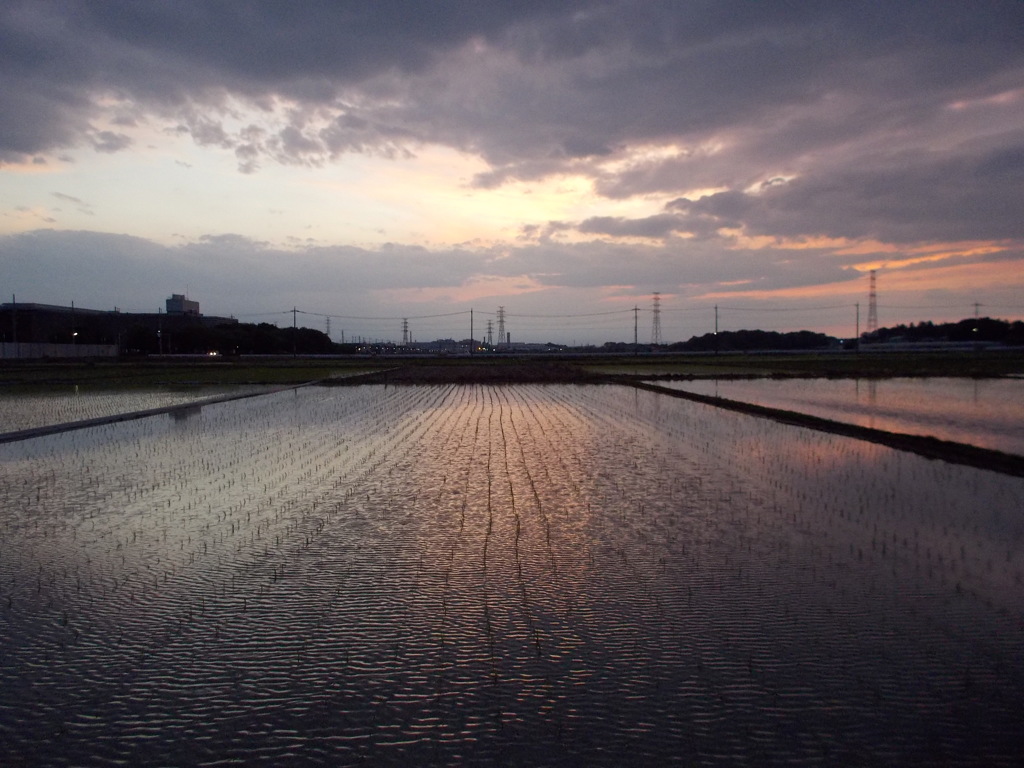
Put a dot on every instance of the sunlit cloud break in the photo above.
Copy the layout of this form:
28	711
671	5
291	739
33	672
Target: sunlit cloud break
548	158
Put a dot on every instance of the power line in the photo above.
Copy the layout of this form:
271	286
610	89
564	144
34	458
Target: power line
656	319
382	319
613	322
264	314
683	309
587	314
949	306
776	309
872	304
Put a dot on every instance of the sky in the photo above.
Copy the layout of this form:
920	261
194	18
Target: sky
369	163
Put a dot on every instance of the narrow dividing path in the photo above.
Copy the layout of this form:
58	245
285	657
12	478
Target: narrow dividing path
923	445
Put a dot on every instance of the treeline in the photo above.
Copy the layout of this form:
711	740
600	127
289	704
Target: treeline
734	341
740	341
234	339
981	329
268	339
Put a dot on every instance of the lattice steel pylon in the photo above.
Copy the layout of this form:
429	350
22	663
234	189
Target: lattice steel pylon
872	304
501	325
656	320
406	340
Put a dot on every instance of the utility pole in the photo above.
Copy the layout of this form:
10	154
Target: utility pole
872	304
295	329
716	329
14	325
856	339
471	342
636	347
656	321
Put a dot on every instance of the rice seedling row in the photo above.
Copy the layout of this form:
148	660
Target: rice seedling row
529	573
29	411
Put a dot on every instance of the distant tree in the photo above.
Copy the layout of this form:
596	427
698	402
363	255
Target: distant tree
754	340
982	329
616	346
1015	334
235	339
308	341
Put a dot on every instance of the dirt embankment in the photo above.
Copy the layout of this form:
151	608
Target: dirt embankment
922	445
477	373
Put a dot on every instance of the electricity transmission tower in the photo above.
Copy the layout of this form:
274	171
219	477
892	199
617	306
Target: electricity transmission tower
490	333
872	304
501	325
656	320
406	340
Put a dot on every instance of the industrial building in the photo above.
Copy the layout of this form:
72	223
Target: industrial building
30	330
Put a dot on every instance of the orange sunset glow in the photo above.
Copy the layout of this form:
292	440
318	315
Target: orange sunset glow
557	163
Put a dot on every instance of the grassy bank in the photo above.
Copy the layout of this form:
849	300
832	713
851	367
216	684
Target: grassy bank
191	372
197	372
841	365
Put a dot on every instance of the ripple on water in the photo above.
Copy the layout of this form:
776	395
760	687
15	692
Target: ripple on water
511	574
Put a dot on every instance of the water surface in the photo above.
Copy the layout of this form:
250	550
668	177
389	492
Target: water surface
21	410
985	412
502	575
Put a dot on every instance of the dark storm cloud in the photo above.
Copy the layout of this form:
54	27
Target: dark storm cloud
97	268
58	57
699	265
249	276
851	102
912	197
641	69
651	226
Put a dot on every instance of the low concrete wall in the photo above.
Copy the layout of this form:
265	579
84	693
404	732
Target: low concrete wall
32	350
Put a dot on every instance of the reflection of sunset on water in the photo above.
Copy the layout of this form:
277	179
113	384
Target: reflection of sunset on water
527	573
985	412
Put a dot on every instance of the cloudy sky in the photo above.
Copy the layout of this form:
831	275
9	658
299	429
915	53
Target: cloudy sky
387	159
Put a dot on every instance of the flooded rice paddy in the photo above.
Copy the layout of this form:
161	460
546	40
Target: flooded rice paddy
517	575
19	411
988	413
